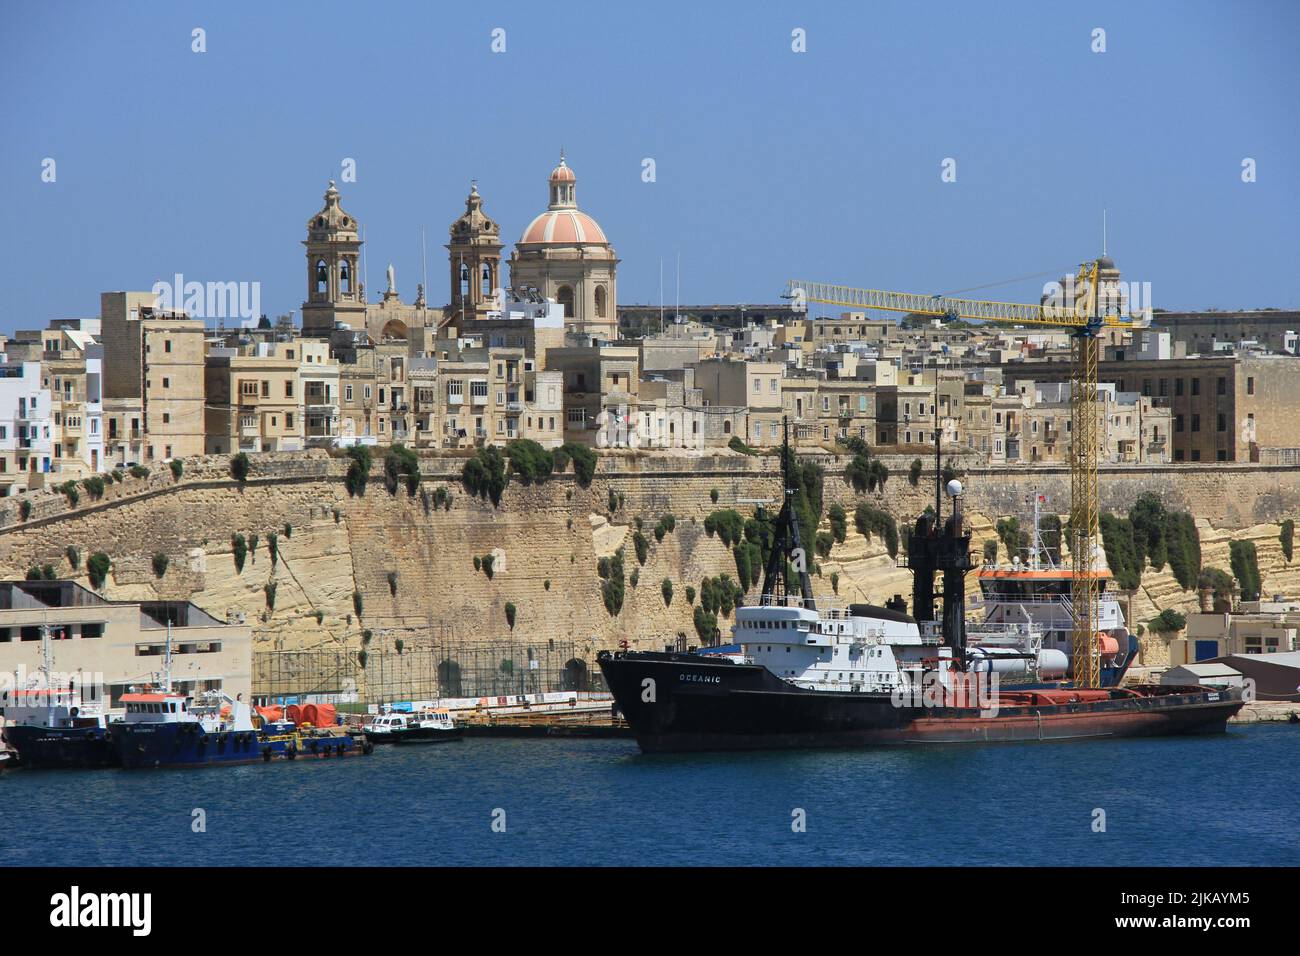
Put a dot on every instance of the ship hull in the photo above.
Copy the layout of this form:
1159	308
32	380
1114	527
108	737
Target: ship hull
188	745
692	704
62	748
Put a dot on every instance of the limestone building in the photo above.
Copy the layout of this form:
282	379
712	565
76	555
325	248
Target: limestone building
564	254
152	379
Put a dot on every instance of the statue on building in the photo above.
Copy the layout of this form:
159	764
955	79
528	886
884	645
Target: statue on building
392	278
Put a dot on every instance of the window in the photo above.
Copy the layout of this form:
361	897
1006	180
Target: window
167	382
1250	385
1178	386
1222	423
167	418
167	345
288	389
347	393
1178	423
288	419
266	389
1196	423
1221	386
1196	386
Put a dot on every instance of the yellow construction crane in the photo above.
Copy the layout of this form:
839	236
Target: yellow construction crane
1085	309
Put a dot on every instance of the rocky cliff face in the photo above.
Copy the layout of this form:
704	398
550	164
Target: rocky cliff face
412	561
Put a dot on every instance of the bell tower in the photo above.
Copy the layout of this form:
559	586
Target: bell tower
335	292
474	258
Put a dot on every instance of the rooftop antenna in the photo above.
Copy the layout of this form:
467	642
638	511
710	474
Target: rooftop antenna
1103	231
424	262
661	295
677	312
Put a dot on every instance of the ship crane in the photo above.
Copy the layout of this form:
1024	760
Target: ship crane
1086	311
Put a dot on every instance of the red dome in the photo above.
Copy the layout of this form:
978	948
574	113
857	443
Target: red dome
567	227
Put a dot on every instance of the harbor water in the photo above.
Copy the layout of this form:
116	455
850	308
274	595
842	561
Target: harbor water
1217	800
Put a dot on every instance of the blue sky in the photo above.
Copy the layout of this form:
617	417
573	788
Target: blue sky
770	164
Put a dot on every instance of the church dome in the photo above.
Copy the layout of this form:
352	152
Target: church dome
563	224
567	227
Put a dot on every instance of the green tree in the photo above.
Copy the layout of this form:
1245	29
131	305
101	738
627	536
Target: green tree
485	475
359	461
97	568
1287	537
1245	567
529	460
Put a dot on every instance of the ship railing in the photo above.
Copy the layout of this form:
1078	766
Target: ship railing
826	606
1063	600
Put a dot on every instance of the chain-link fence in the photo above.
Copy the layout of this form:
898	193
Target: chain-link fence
426	670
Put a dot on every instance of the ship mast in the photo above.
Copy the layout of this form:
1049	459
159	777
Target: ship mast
787	549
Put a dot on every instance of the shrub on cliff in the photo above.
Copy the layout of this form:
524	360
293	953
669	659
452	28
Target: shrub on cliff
239	549
489	565
664	525
24	509
612	590
238	467
869	521
914	472
510	615
178	468
1168	621
1218	581
139	471
269	590
739	446
94	486
666	587
529	460
74	557
1287	537
584	462
160	562
357	603
727	524
97	568
641	545
1245	568
359	461
839	523
69	489
401	465
392	583
1122	556
1183	547
486	475
273	546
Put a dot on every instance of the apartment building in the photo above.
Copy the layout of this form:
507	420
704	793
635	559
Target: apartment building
1224	407
26	428
752	385
153	379
601	385
254	398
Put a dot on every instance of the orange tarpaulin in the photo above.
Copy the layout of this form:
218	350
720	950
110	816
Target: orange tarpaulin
319	715
271	714
294	713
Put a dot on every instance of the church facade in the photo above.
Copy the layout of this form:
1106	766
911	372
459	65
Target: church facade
562	255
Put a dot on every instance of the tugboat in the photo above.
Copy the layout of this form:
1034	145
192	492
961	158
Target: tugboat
57	727
429	726
165	728
814	674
